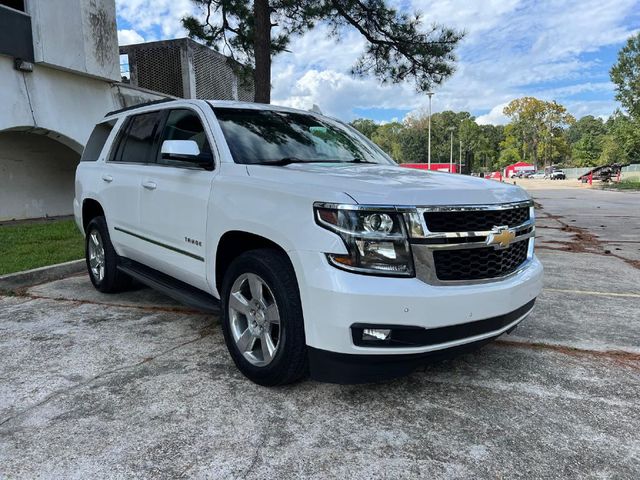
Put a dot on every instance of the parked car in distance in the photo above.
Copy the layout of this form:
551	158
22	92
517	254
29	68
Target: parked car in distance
557	175
536	175
321	255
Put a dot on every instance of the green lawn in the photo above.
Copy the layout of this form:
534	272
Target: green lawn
626	184
30	245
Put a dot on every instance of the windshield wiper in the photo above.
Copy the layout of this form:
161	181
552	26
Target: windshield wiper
357	160
289	160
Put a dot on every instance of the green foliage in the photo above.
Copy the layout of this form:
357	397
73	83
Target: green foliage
625	133
365	126
30	245
626	76
397	46
626	184
388	136
507	157
536	125
587	150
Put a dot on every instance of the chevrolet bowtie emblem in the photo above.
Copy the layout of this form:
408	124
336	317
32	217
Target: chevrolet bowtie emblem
501	237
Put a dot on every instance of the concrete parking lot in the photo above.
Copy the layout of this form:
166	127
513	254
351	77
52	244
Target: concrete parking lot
135	386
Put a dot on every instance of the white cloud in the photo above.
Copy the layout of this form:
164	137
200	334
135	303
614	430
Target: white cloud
494	117
129	37
156	19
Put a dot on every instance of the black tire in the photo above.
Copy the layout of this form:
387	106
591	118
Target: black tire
112	280
290	363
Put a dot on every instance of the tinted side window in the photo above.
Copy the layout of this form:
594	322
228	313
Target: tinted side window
184	125
137	145
97	140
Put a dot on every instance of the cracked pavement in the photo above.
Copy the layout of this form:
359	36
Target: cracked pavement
135	386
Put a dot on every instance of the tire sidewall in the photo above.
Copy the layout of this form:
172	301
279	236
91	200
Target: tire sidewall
99	224
289	309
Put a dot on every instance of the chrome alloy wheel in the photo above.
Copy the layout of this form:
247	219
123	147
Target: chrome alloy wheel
254	319
96	255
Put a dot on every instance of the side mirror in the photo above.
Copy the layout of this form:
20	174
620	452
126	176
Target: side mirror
185	151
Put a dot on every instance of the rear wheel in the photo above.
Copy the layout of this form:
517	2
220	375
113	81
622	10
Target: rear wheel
262	318
102	259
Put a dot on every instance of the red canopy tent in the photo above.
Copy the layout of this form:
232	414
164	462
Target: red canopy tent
517	167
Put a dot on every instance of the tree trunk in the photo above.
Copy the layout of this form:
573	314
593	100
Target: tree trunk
262	51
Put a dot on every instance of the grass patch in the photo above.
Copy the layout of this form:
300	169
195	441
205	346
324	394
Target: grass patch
626	184
31	245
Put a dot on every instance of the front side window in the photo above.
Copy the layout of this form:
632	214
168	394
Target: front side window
274	137
137	143
184	124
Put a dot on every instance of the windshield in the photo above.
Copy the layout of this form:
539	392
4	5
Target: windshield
273	137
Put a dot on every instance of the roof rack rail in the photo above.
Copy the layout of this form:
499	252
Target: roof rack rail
140	105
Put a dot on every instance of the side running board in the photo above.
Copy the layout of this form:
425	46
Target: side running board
180	291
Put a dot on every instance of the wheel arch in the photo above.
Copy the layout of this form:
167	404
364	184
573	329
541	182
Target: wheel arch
234	243
91	209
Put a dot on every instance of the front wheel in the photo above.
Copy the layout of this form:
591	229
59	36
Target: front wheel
262	318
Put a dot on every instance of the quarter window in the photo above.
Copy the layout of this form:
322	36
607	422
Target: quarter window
96	141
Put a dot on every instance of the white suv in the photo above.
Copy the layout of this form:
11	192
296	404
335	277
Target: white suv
322	255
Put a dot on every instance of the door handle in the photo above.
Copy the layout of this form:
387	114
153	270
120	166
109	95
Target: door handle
149	185
107	178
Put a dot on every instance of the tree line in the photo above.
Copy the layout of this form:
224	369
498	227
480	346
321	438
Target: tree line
539	132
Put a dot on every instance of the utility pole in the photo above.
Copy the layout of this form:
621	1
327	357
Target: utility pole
460	171
429	143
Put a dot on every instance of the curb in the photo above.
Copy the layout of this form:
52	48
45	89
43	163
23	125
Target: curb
27	278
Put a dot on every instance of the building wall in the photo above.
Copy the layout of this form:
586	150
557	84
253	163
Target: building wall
77	35
36	176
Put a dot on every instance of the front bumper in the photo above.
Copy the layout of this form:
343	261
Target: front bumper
344	368
334	300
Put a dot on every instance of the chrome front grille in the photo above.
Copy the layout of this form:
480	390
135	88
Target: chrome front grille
466	221
473	244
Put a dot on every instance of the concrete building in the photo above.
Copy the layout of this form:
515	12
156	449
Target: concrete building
59	71
184	68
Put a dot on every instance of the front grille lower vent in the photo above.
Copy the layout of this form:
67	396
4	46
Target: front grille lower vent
479	263
475	221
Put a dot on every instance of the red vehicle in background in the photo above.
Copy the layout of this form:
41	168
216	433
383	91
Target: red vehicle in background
436	167
494	176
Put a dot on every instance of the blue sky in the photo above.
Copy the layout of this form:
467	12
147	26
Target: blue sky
555	50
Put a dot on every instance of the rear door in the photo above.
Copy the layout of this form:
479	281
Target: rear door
173	202
122	177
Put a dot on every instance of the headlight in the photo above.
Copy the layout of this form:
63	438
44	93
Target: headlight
376	240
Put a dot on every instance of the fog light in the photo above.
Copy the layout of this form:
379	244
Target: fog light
376	334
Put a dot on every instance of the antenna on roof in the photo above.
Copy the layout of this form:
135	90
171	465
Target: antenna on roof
316	109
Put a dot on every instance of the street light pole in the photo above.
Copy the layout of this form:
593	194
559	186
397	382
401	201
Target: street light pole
429	142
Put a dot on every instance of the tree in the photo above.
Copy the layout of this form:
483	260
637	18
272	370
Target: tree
508	156
387	137
586	137
535	123
622	144
626	76
397	49
365	126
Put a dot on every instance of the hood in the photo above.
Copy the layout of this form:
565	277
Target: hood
392	185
